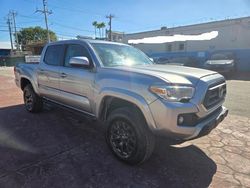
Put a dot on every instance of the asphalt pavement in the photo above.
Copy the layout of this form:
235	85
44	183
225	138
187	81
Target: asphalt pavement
238	97
57	148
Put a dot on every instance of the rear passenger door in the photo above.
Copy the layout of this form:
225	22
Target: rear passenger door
48	73
76	83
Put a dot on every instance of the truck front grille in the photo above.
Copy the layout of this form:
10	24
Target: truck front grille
215	94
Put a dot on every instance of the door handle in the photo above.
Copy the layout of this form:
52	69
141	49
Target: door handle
63	75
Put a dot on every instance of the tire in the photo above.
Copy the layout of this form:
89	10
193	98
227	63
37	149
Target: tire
33	103
128	136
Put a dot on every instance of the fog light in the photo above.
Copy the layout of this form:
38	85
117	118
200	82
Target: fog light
180	120
189	119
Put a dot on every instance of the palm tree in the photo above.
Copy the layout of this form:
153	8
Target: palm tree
94	23
99	28
102	26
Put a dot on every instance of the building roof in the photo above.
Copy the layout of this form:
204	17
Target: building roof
199	24
5	45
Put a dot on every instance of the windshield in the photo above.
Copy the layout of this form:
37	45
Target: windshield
120	55
220	57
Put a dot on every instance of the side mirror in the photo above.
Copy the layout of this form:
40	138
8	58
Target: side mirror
79	61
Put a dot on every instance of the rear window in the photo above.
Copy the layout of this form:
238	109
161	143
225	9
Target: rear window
54	55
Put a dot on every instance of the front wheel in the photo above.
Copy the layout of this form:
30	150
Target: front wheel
129	136
33	103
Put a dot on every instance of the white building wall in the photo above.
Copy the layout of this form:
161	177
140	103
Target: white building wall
232	34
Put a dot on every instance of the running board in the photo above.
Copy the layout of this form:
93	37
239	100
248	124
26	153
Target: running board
69	108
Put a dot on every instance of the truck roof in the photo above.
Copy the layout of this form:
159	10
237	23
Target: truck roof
91	41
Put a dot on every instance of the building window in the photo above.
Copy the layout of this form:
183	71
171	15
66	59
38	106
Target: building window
119	38
212	47
169	47
181	46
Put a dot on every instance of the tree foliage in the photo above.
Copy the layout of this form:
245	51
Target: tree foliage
34	34
100	26
94	23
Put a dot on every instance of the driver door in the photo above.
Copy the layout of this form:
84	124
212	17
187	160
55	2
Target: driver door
76	83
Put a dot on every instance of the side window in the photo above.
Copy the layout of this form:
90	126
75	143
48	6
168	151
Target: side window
54	55
74	50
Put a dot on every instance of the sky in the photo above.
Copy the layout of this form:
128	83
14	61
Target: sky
70	18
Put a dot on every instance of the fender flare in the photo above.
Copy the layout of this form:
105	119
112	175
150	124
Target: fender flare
129	96
30	80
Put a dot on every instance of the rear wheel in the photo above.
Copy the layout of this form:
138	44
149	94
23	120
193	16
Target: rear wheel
32	102
128	135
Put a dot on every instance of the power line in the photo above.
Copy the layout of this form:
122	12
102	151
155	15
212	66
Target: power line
83	11
45	12
70	27
29	22
4	26
30	17
75	10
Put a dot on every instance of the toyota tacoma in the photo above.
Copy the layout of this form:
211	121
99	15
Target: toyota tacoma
119	85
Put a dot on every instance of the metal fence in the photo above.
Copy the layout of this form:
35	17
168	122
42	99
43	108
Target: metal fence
11	61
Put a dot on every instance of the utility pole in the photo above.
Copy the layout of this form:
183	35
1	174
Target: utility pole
13	14
110	24
10	32
46	12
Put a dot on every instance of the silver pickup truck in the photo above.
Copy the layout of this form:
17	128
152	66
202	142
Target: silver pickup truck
120	86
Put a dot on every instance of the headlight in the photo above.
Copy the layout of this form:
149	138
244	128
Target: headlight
230	63
173	93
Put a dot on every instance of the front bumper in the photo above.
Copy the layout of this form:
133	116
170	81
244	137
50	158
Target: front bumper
166	115
207	126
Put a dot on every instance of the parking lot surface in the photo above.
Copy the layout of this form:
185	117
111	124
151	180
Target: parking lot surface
57	148
238	98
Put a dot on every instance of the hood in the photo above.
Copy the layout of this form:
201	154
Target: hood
179	64
170	73
219	62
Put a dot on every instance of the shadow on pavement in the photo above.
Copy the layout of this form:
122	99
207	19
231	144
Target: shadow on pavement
59	149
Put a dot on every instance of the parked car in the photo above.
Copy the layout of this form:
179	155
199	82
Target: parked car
221	62
161	60
181	61
119	85
184	61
